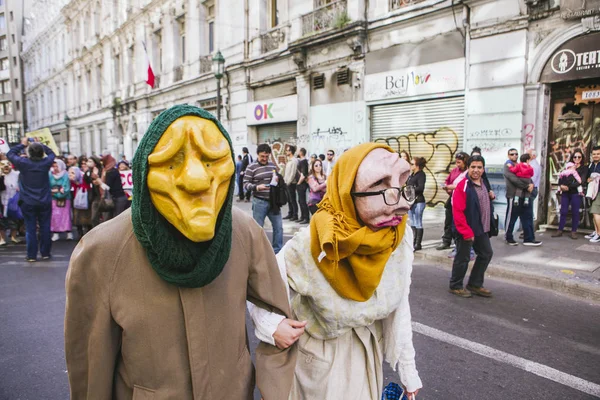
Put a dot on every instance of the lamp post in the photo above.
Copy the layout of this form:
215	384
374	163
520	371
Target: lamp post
218	65
68	124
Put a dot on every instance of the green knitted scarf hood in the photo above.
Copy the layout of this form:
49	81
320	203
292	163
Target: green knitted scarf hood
175	258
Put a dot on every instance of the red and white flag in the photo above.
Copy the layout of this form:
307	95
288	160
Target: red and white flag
150	78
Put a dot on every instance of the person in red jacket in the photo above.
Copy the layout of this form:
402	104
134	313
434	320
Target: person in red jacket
472	211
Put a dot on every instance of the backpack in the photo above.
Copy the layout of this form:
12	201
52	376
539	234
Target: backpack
278	196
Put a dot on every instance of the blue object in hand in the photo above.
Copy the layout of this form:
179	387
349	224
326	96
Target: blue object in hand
393	391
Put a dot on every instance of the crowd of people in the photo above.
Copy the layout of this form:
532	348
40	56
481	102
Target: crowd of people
48	196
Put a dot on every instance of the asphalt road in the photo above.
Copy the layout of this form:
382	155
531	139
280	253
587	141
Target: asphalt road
522	344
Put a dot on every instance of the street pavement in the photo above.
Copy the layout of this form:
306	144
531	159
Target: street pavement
525	343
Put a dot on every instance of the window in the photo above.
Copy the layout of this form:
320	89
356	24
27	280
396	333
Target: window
6	108
2	22
12	17
210	23
98	81
131	65
4	64
181	26
117	71
3	44
157	65
16	83
273	14
211	37
6	87
15	61
18	106
12	37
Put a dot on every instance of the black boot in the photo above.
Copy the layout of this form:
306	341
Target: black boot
414	235
419	239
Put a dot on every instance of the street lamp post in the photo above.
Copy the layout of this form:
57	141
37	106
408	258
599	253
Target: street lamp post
218	65
68	125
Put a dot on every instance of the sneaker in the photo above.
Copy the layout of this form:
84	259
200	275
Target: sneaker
557	234
526	201
70	236
55	237
511	242
443	246
31	260
574	236
532	243
592	235
479	291
2	242
15	240
472	254
452	254
595	240
461	293
46	257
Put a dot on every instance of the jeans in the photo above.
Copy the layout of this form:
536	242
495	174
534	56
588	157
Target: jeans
241	194
483	248
292	203
34	215
302	189
448	234
313	209
260	210
574	200
522	212
415	215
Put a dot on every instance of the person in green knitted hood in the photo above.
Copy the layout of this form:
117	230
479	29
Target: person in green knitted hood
156	297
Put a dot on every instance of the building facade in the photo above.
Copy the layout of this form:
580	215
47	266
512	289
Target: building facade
432	77
11	77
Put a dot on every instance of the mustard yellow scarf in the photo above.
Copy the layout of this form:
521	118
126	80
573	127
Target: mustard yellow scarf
350	255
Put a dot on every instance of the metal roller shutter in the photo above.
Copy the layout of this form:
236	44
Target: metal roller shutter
432	129
271	133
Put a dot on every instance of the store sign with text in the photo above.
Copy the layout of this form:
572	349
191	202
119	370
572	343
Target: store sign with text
579	58
281	109
576	9
441	77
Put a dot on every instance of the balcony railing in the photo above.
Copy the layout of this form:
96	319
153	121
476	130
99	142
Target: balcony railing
178	73
272	40
205	64
332	15
398	4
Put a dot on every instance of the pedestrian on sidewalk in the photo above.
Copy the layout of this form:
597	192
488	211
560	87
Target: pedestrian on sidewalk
329	162
246	161
92	179
522	170
61	201
35	197
525	214
417	179
111	179
82	217
9	187
457	174
291	175
571	181
239	180
302	187
473	212
257	180
405	155
317	181
594	179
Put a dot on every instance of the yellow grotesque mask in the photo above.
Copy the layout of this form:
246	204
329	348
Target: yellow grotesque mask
189	174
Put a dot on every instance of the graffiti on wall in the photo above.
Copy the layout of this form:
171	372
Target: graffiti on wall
334	138
527	135
438	148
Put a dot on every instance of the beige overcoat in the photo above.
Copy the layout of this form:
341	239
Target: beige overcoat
131	335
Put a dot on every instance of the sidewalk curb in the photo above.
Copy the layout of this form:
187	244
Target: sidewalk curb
584	290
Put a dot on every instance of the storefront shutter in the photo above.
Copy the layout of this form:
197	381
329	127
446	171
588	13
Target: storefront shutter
271	133
432	129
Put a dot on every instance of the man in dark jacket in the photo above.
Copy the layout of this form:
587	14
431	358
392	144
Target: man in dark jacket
246	160
35	197
472	211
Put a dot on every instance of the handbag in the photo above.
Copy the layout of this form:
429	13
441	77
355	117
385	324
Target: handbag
393	391
494	225
81	199
61	202
13	211
107	203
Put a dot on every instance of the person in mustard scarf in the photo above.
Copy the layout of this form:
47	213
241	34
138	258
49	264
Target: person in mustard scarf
349	276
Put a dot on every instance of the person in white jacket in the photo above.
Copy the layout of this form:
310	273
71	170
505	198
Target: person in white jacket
11	185
349	278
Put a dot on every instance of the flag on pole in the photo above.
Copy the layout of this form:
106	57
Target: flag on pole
150	77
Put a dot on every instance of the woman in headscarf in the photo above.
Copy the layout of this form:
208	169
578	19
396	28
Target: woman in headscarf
61	201
9	186
112	179
82	217
349	275
92	178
